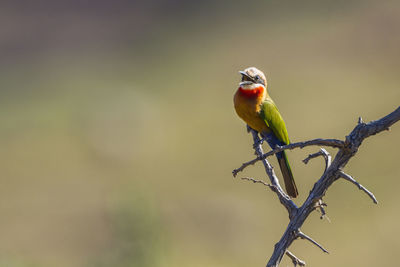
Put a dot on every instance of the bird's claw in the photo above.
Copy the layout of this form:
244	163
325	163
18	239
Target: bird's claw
259	143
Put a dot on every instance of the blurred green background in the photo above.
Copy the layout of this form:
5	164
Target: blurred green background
118	134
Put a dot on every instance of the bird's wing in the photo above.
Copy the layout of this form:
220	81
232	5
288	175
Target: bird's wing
273	119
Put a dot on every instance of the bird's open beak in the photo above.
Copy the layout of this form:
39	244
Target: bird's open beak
248	81
245	74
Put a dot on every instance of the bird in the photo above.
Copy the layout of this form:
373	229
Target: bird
254	106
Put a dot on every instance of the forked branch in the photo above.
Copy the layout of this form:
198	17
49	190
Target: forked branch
296	261
315	142
333	171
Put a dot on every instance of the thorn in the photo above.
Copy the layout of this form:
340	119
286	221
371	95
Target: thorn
360	120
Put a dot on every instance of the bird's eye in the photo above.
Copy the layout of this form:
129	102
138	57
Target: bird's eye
257	78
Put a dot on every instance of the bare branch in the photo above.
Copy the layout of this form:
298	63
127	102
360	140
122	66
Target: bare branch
315	142
333	171
275	186
312	156
321	152
351	179
304	236
364	130
257	181
296	261
352	143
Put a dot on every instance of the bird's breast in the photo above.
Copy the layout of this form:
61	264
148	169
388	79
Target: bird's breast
248	107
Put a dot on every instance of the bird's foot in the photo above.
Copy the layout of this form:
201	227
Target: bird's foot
259	143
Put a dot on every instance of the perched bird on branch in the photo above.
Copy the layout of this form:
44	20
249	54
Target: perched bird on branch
256	108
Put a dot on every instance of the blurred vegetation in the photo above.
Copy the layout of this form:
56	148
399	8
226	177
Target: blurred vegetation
118	134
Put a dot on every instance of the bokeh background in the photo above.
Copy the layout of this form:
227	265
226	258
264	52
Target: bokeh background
118	134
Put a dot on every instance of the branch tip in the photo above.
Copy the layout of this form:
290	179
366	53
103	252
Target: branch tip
360	186
304	236
257	181
322	152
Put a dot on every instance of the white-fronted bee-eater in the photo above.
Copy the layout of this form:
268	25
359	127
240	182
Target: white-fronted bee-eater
256	108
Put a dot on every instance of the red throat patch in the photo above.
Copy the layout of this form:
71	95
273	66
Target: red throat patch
253	93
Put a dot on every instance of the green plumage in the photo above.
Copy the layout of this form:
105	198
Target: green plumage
270	114
273	119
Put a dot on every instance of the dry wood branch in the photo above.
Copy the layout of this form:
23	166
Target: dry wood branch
351	179
315	142
304	236
275	186
296	261
257	181
321	152
312	156
333	171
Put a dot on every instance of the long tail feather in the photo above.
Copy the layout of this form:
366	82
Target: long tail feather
287	174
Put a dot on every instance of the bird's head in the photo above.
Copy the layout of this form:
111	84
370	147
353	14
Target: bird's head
252	78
